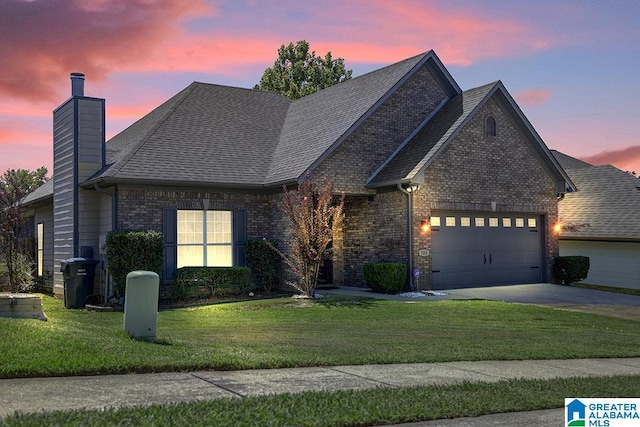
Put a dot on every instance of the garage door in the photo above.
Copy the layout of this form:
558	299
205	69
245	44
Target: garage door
476	249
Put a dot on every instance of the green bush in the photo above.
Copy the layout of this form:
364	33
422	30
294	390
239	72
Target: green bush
220	281
571	269
264	263
128	250
385	277
23	279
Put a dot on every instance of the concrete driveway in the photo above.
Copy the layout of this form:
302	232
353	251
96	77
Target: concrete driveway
556	296
545	293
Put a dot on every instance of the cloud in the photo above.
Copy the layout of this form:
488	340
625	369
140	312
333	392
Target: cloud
533	97
460	36
624	158
44	39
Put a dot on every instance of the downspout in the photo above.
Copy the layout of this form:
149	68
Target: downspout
96	186
409	233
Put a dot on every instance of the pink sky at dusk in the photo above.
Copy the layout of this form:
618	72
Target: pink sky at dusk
572	65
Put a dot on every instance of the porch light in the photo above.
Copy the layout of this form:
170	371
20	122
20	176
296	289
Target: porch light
425	226
412	187
557	228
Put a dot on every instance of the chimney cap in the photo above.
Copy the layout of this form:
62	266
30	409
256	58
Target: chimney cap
77	84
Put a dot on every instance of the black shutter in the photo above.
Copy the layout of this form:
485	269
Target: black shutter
239	237
170	241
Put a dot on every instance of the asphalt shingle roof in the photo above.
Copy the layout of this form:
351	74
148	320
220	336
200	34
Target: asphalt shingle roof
206	134
219	135
607	199
568	162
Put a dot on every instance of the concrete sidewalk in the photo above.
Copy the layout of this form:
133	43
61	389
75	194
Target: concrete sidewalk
49	394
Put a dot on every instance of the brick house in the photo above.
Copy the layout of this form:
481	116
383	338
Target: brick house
405	144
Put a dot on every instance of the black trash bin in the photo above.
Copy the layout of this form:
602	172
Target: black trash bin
77	274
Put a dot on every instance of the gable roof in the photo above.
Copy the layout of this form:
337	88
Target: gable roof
409	162
223	136
217	135
608	200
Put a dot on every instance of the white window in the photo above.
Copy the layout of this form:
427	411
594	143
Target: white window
493	222
506	222
519	222
450	221
435	221
532	223
480	222
465	221
204	238
40	247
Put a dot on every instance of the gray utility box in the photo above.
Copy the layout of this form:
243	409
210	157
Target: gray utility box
141	304
78	274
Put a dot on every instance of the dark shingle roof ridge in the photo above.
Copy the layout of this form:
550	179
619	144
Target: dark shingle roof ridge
357	96
177	99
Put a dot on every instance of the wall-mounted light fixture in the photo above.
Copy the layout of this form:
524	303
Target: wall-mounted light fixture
557	228
412	187
425	226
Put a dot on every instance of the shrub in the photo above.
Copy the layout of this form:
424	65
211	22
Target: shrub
128	250
571	269
219	281
22	275
264	262
385	277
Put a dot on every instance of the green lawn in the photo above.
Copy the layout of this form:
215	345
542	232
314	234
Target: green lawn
350	408
287	333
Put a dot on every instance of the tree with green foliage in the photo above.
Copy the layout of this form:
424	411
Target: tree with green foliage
314	215
297	73
14	186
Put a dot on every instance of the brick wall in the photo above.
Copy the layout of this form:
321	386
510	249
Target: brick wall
374	230
360	155
141	207
375	227
473	171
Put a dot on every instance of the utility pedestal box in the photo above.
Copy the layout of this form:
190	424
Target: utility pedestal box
141	304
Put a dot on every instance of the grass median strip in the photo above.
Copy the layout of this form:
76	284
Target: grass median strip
351	408
284	332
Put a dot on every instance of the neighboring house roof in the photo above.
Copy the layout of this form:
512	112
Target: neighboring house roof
568	162
409	162
608	201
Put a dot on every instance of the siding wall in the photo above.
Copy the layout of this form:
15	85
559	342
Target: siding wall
611	263
64	184
78	152
44	215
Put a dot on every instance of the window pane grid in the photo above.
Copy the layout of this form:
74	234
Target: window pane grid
204	238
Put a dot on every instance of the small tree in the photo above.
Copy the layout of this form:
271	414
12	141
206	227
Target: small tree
14	186
297	73
314	215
